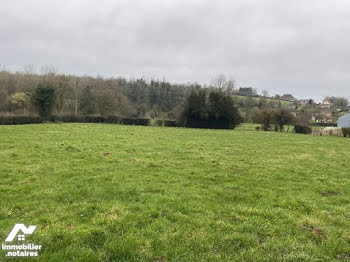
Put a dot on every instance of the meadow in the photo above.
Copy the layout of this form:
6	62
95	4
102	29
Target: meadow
103	192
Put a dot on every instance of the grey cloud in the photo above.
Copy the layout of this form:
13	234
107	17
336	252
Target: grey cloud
295	46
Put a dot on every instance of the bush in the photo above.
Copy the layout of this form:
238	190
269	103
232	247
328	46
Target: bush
263	117
94	119
324	124
282	117
301	129
43	99
171	123
82	119
19	120
167	122
346	131
211	124
113	120
158	122
71	119
135	121
215	111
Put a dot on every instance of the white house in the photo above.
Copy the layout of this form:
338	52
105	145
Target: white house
326	104
344	121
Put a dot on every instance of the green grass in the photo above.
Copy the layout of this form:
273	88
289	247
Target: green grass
287	128
101	192
257	99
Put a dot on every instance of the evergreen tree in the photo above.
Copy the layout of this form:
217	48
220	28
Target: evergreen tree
43	99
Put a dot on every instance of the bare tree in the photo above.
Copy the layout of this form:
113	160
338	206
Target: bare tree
263	117
230	86
76	97
219	82
29	69
49	73
265	93
223	83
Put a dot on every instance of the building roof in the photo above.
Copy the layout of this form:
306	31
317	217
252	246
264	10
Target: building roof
344	121
327	102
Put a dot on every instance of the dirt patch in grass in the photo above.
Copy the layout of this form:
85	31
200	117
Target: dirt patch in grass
329	193
315	230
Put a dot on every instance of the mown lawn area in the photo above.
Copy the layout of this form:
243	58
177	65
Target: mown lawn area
100	192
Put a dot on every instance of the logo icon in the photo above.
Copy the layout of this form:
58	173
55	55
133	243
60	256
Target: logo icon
16	230
20	231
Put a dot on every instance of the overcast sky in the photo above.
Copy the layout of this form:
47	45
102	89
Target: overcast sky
292	46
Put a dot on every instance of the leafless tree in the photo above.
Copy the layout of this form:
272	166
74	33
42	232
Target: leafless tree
223	83
265	93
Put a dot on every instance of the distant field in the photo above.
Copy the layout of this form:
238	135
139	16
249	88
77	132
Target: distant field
100	192
256	99
288	128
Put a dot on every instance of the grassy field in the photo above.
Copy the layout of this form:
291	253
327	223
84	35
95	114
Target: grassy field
287	128
257	99
101	192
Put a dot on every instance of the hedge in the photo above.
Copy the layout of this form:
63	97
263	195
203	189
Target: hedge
300	129
171	123
324	124
135	121
113	120
346	131
19	120
211	124
166	122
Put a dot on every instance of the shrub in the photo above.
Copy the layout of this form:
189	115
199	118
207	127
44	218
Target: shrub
222	112
19	120
282	117
16	120
166	122
21	101
83	119
211	123
135	121
158	122
301	129
43	99
113	120
324	124
171	123
263	117
94	119
195	107
346	131
55	119
72	119
215	111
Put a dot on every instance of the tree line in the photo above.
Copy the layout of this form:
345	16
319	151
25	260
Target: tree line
87	95
63	95
140	98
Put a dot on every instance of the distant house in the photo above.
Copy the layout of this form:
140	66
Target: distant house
326	104
344	121
305	102
288	97
246	91
322	117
